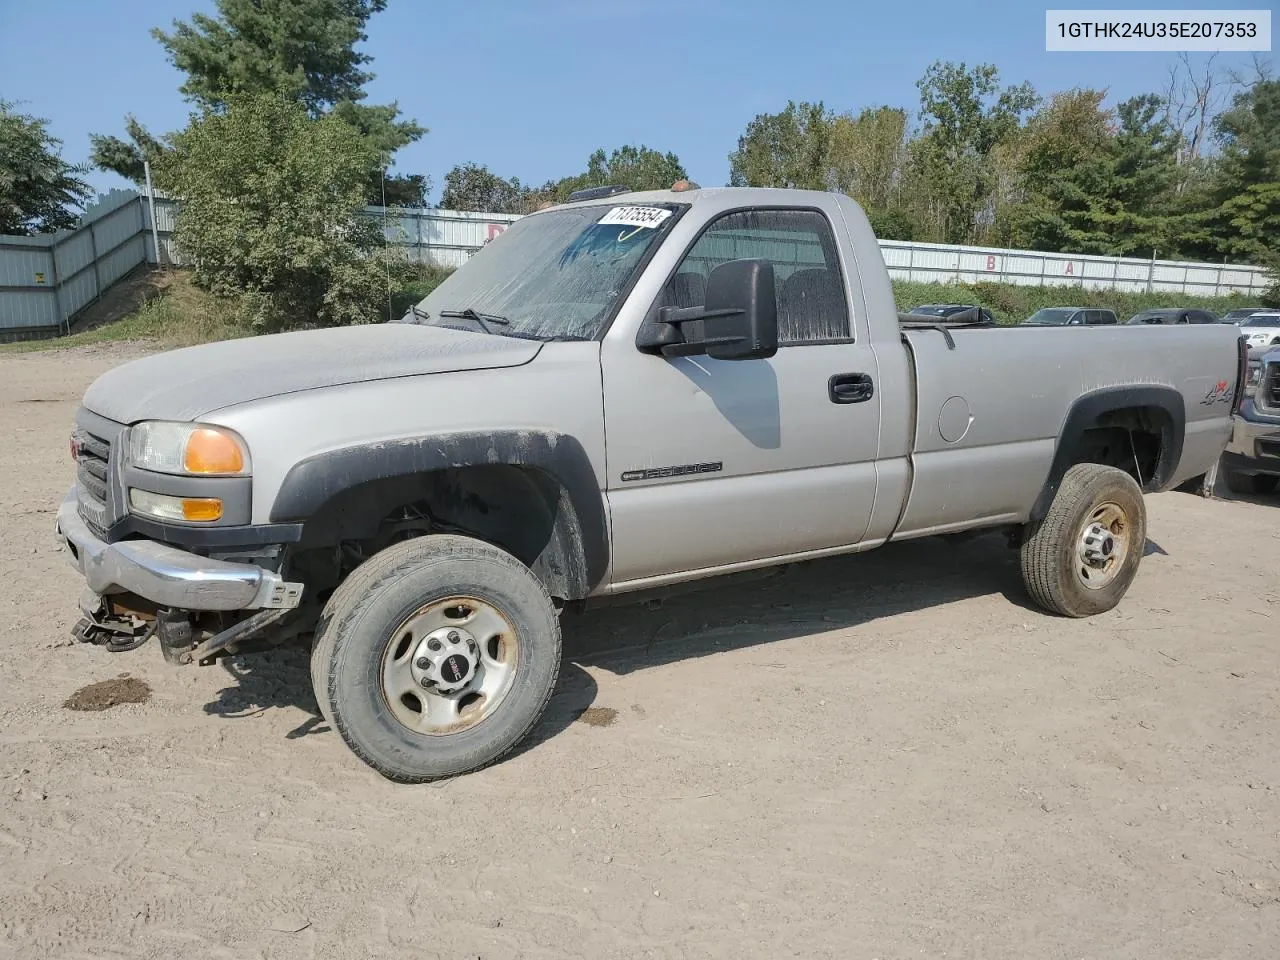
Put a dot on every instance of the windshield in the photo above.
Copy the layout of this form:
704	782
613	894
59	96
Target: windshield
549	276
1052	316
1150	316
1263	320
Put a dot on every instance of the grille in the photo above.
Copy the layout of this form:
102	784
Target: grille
91	479
1269	391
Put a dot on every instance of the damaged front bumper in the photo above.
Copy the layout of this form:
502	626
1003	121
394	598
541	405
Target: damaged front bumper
167	576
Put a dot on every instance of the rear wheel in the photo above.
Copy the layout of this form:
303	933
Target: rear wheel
436	657
1081	558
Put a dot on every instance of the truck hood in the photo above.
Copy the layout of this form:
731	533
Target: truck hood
187	384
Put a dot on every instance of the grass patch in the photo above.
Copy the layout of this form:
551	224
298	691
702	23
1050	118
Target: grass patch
177	314
1011	304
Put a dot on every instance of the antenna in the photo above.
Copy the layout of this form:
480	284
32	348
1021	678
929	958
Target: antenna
386	260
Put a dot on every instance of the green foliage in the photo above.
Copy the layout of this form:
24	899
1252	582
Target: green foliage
473	186
39	191
786	149
414	283
865	158
126	157
270	213
964	116
985	165
303	50
633	167
1250	175
1094	180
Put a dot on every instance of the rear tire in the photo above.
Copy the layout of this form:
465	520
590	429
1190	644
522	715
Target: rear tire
1080	559
369	640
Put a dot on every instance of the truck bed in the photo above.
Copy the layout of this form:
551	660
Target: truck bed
990	410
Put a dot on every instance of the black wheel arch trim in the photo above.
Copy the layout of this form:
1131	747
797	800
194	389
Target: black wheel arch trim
313	482
1087	412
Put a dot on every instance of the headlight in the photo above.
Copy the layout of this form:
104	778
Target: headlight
1252	377
190	449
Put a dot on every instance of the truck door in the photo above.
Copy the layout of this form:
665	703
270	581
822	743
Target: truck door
712	463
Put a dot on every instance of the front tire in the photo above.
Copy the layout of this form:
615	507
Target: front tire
436	657
1081	558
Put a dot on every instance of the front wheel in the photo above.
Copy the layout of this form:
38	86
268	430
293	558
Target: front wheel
1081	558
437	657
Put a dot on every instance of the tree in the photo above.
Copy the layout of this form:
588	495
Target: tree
39	191
630	166
634	167
473	186
270	212
1249	213
298	49
964	115
1064	176
866	154
786	149
126	157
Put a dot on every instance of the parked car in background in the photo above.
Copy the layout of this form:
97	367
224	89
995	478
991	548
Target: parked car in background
1251	462
1070	317
1236	316
1173	315
951	309
1262	329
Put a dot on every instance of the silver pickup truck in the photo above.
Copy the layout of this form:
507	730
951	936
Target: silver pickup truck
618	394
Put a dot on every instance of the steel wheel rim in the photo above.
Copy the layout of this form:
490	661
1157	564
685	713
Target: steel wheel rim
449	665
1102	545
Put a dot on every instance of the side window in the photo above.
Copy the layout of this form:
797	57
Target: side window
811	298
1101	317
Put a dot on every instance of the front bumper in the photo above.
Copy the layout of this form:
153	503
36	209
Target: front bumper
1254	446
167	576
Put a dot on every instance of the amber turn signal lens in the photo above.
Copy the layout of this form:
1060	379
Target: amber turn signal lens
212	451
164	507
205	509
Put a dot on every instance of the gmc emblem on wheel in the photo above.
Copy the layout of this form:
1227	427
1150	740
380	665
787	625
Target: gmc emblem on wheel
684	470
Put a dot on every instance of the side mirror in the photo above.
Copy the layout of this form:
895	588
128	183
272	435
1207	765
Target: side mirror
738	322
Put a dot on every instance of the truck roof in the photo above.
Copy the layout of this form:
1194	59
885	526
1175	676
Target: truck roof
718	196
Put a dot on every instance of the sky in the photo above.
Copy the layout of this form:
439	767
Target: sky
532	88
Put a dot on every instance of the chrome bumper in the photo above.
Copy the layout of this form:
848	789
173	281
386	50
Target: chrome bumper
1245	435
167	576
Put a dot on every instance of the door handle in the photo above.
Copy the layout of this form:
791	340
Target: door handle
851	388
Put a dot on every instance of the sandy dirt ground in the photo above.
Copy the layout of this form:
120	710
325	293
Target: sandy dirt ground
883	756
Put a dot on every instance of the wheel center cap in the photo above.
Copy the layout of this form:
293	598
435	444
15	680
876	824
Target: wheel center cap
445	660
454	668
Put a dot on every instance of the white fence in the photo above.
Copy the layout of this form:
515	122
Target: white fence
939	263
45	281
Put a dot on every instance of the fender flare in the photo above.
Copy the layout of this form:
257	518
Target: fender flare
1088	411
314	481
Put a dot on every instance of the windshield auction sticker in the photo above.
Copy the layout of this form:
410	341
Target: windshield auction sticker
1135	30
650	217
